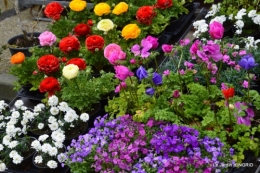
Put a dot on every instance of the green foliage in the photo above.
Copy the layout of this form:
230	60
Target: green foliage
83	91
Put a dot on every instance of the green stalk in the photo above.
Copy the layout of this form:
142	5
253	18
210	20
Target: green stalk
248	97
229	112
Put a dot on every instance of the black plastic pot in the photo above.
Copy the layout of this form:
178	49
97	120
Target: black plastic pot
25	50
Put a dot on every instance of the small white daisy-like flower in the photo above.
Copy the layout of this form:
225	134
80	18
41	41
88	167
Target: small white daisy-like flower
18	104
63	106
84	117
40	126
23	108
58	135
15	114
36	145
2	167
13	153
1	147
52	164
28	114
58	144
53	100
43	137
13	144
236	47
46	147
24	121
252	13
53	151
6	140
54	110
38	159
52	119
256	19
239	24
54	126
17	159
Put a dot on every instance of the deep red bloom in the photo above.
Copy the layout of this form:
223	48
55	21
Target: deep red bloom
79	62
53	10
163	4
82	29
48	64
90	22
50	85
228	93
69	44
145	15
95	42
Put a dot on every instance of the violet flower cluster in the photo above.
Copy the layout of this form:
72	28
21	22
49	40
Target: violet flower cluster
123	145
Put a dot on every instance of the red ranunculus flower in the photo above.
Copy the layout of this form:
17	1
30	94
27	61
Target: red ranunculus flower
90	22
82	29
69	44
95	42
79	62
163	4
48	64
228	93
50	85
53	10
145	15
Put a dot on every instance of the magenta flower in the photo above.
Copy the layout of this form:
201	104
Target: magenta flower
142	50
188	64
245	84
47	38
242	52
167	48
195	47
132	61
122	72
113	53
176	94
211	50
246	120
166	72
226	58
153	41
184	42
213	80
120	86
216	30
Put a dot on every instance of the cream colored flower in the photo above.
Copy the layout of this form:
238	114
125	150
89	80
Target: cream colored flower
105	25
70	71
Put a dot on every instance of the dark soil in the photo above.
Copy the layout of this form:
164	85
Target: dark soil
30	42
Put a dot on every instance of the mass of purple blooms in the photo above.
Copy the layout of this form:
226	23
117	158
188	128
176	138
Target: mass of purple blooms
123	145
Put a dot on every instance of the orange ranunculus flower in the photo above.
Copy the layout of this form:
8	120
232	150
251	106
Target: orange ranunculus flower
228	93
120	8
102	9
18	58
131	31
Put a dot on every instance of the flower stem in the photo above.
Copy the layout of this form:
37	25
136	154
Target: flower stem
248	97
229	112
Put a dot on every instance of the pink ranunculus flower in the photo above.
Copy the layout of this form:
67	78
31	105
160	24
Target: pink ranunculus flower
133	61
47	38
120	86
216	30
122	72
113	53
167	48
153	41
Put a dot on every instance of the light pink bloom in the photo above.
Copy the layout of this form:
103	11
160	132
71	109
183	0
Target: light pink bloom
47	38
114	53
224	86
245	84
182	72
166	72
242	52
184	42
234	54
237	67
226	58
120	86
213	80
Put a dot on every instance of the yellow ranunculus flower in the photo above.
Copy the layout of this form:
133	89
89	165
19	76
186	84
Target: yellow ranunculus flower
102	9
77	5
131	31
105	25
120	8
70	71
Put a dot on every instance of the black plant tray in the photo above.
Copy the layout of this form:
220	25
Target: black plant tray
33	169
32	95
178	24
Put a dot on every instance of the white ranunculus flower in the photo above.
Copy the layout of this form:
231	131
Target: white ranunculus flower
46	147
13	153
52	119
54	126
54	110
53	151
36	145
63	106
38	159
40	126
13	144
15	114
70	71
52	164
105	25
28	114
2	167
84	117
53	100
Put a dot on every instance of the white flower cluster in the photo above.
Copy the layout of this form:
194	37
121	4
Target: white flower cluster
254	16
47	150
17	159
200	26
221	19
214	9
3	109
251	43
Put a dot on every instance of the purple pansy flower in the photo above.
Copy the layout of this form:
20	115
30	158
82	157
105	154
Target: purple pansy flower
247	62
150	91
157	79
141	73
